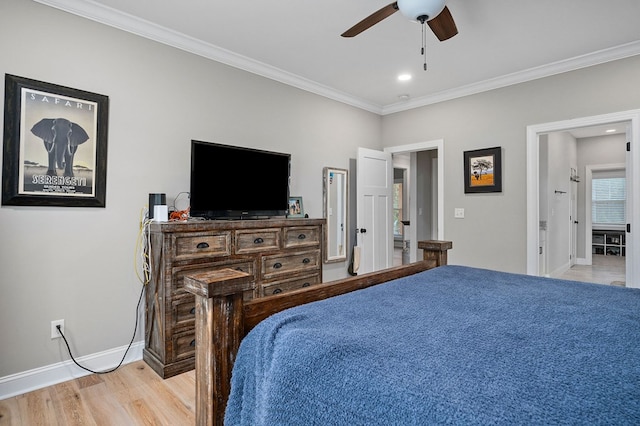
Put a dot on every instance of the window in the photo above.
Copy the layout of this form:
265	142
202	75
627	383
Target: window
608	198
397	210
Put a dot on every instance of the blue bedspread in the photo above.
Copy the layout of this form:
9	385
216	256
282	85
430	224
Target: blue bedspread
452	345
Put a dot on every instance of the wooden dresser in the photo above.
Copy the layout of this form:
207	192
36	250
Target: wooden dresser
281	254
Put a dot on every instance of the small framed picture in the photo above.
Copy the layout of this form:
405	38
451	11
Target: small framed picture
483	170
295	207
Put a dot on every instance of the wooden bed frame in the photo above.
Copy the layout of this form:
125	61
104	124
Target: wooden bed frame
223	319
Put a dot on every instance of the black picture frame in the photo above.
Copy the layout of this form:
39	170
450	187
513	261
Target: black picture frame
40	168
483	170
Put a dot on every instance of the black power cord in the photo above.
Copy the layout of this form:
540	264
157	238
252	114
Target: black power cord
135	328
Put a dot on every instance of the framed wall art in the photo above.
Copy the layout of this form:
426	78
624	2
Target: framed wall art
483	170
295	207
55	145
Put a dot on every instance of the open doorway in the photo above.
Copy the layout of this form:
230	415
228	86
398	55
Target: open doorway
569	161
535	134
400	209
423	194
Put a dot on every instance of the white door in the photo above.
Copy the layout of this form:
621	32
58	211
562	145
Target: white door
374	209
573	223
629	202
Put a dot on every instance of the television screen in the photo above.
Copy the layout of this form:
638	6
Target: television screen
229	182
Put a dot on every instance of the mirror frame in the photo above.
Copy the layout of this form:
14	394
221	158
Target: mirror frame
326	203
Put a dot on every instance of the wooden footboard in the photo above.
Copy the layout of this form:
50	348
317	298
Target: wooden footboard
223	319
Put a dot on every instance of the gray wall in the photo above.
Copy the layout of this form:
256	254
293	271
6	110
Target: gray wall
78	263
493	232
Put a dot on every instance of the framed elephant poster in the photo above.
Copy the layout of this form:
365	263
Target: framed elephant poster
55	145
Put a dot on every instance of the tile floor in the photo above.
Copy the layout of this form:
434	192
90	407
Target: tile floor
603	270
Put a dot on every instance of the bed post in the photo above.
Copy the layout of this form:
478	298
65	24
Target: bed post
435	251
219	330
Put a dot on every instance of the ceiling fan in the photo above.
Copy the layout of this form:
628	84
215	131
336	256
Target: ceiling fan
434	12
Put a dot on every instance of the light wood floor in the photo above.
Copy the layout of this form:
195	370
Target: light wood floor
132	395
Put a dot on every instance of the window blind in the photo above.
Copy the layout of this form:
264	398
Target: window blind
608	198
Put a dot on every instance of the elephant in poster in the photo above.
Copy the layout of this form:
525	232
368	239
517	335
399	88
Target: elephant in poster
61	138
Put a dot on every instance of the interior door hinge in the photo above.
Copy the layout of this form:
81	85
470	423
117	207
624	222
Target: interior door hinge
628	228
628	146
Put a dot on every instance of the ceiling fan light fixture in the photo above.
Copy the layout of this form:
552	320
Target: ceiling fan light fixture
417	9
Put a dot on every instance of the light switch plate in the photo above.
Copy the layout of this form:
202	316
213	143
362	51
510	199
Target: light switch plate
458	213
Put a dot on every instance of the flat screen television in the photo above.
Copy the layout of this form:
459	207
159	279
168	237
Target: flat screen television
229	182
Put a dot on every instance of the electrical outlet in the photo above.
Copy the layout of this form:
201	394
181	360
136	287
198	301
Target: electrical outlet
54	331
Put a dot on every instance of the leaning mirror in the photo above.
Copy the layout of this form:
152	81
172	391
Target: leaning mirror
335	212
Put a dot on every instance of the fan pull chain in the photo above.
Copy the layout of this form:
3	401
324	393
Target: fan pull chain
423	52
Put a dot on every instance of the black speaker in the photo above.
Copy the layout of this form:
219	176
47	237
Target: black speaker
156	200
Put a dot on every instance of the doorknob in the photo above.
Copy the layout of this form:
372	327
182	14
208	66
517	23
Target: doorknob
361	230
575	221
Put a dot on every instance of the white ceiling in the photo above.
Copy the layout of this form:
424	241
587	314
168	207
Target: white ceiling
500	42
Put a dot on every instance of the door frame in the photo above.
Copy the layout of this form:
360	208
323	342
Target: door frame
438	146
632	118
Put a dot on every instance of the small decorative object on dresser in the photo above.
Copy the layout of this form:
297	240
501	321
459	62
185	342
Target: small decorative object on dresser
295	207
280	254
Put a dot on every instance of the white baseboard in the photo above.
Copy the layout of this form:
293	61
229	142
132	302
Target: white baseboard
27	381
582	261
561	270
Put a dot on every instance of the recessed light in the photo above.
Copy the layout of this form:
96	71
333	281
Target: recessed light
404	77
610	130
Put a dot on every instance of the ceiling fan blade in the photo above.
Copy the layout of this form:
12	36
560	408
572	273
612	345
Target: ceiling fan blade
371	20
443	25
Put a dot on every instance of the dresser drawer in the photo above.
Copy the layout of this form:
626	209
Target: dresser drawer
289	263
179	272
302	236
206	244
284	286
257	240
183	345
183	313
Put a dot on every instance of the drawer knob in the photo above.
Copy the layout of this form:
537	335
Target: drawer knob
203	245
277	291
302	237
193	343
193	311
306	285
258	241
306	260
277	265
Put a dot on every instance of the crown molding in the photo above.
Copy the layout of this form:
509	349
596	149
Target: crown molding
571	64
117	19
143	28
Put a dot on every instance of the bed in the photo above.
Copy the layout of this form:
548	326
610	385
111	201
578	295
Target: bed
445	345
